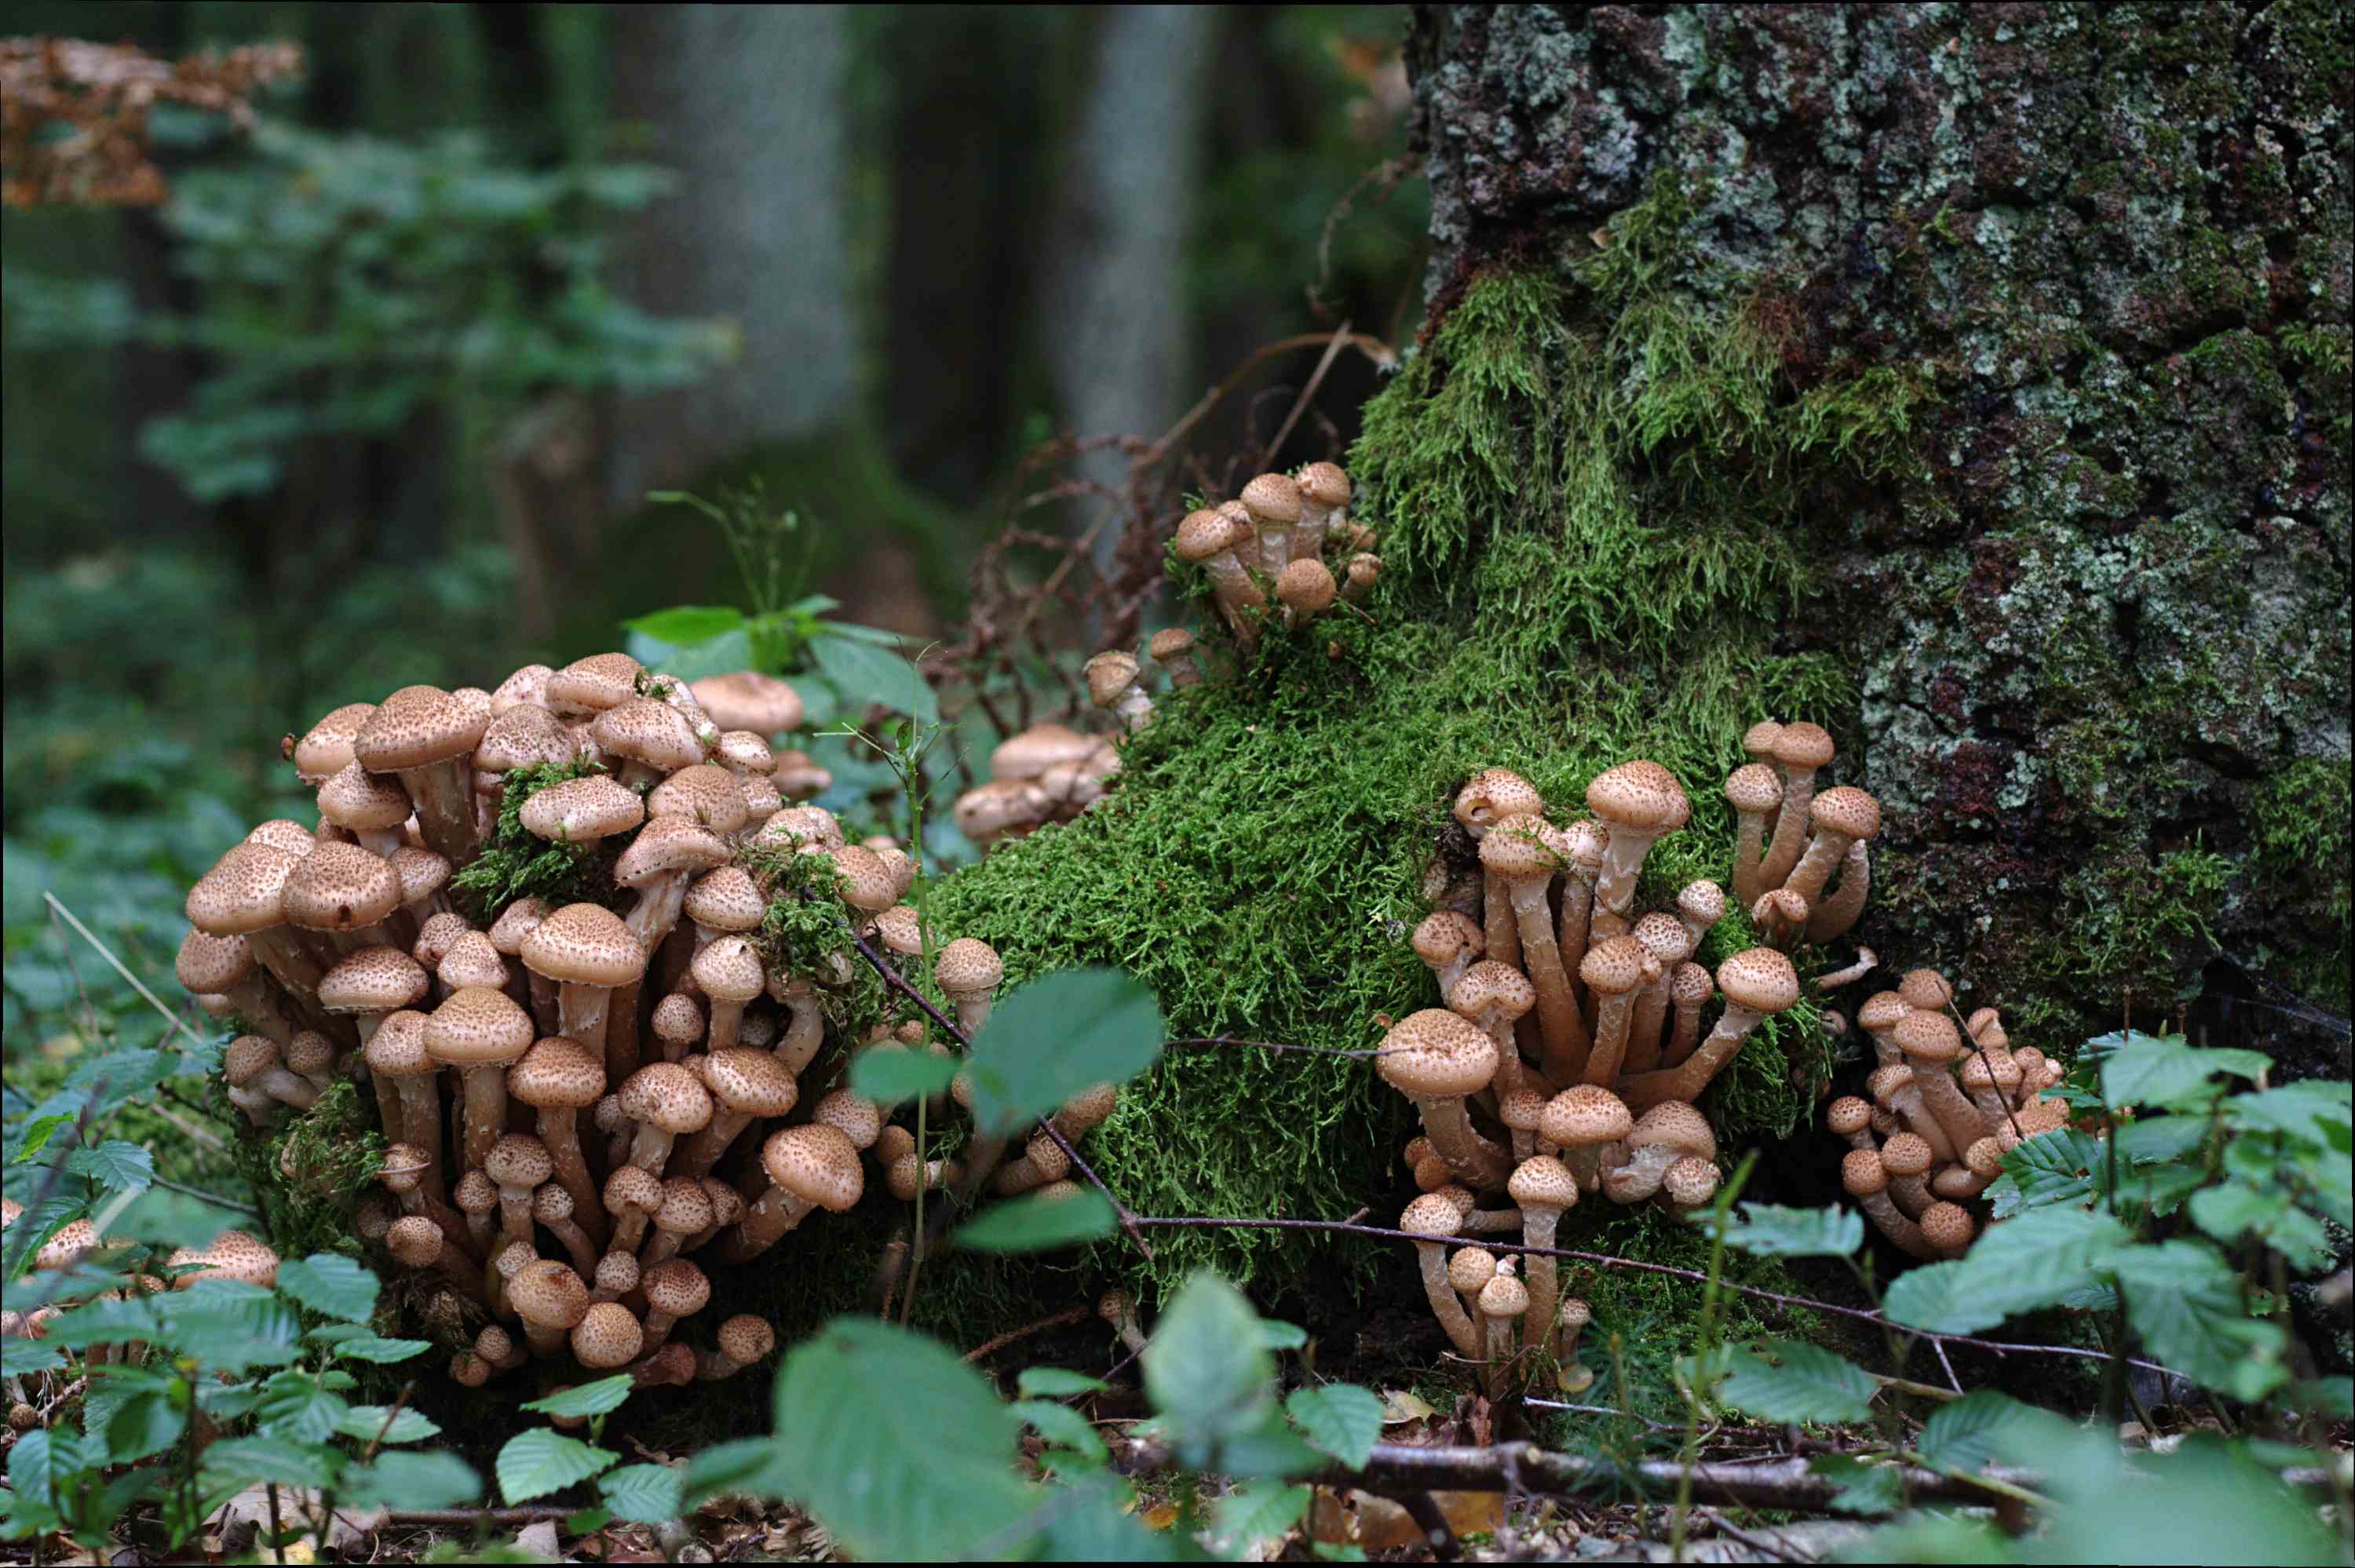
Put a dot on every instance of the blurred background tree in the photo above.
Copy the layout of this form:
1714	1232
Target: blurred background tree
377	394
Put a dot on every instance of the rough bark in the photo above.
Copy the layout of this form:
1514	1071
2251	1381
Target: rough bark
2102	628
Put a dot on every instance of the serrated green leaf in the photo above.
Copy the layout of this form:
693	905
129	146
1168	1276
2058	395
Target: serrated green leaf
2156	1139
1985	1428
294	1406
1061	1034
1088	1517
868	674
1867	1489
540	1461
228	1327
2312	1110
647	1494
2058	1167
144	1424
243	1462
117	1166
1208	1371
1770	1230
682	626
2035	1260
2204	1503
331	1285
381	1351
588	1399
1340	1419
38	1133
1060	1424
173	1219
36	1460
1257	1512
103	1322
1037	1222
1278	1335
1055	1382
366	1422
2232	1211
2185	1304
432	1479
22	1358
900	1448
2161	1070
1786	1380
891	1076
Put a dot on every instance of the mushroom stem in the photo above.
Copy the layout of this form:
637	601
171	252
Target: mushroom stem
1746	888
421	1120
655	913
650	1149
1473	1158
487	1112
764	1224
1838	915
804	1031
1612	1012
1866	959
443	793
1823	856
1538	1222
1614	888
559	1130
1646	1025
1444	1303
1790	828
1688	1078
581	1016
1567	1047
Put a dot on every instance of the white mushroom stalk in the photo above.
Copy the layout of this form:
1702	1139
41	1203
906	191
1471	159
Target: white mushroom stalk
1514	857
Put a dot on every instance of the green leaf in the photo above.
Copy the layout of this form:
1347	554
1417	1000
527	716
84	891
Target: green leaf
1062	1425
1983	1427
2185	1303
331	1285
588	1520
1055	1382
1087	1517
382	1352
435	1478
648	1494
895	1076
2312	1110
255	1461
1340	1419
173	1219
867	674
230	1327
541	1461
1207	1368
117	1166
2157	1140
38	1133
2235	1210
1788	1380
366	1424
103	1322
1931	1538
295	1407
1869	1490
1056	1035
2058	1167
22	1358
2161	1070
1257	1512
1769	1230
742	1466
2035	1260
1280	1336
897	1446
146	1423
602	1398
37	1460
682	626
2205	1502
1037	1222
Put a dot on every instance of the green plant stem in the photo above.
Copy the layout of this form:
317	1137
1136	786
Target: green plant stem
1704	1356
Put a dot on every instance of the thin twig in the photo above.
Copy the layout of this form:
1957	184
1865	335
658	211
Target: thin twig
1308	390
1069	1315
202	1137
136	983
208	1197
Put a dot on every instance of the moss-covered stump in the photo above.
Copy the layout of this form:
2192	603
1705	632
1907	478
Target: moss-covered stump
2101	630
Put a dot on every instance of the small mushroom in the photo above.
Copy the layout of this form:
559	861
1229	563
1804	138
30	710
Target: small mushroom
607	1336
1801	750
1867	1184
743	1341
685	1210
558	1078
1431	1220
551	1302
1435	1059
480	1033
1520	866
808	1167
1756	984
1639	802
665	1100
1668	1132
1545	1190
1755	792
967	971
1504	1301
517	1162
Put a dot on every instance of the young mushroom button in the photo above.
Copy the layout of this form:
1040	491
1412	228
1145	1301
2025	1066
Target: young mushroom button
1274	501
1544	1189
665	1100
967	972
550	1300
606	1337
729	971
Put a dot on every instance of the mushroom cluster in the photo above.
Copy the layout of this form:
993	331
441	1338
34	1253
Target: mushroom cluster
1940	1109
1050	772
1570	1050
1287	538
584	1105
1817	835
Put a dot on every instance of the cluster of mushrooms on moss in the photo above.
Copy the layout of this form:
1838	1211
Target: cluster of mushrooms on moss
583	1110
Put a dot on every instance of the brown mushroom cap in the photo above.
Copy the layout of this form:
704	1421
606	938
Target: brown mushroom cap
1946	1226
724	899
1170	642
670	845
1512	848
606	1337
647	730
282	833
633	1187
575	811
248	1057
416	727
472	960
677	1021
753	1082
523	735
675	1286
1435	1053
1688	1181
592	684
1674	1124
1493	794
1755	788
1881	1010
667	1095
1761	980
1849	1115
1847	811
414	1241
1504	1297
514	923
584	944
1925	989
814	1163
1444	935
339	887
1325	484
1543	1179
686	1207
364	801
1470	1268
1803	747
746	699
1204	534
861	1121
1689	985
372	980
423	871
1585	1114
1306	587
327	749
968	966
557	1071
1489	986
1432	1215
1615	966
1906	1154
728	971
1662	936
210	963
477	1027
1701	903
548	1295
1861	1172
1640	796
1273	498
518	1159
243	892
1927	1036
705	793
745	1338
1109	674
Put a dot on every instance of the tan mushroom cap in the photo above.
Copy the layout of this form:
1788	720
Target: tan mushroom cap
1306	587
423	871
555	1073
686	1207
1205	533
1849	1115
1170	642
1761	980
607	1335
1885	1082
1470	1268
633	1187
745	1338
1445	935
1273	498
234	1255
1490	985
668	844
476	1193
1543	1180
1614	966
753	1082
1504	1297
527	686
1946	1226
576	810
746	699
327	749
988	811
584	944
339	887
968	966
667	1095
416	727
1494	794
472	960
1512	848
1847	811
1029	753
1881	1010
677	1287
415	1241
1109	674
677	1021
724	899
1326	483
210	963
477	1027
514	923
1435	1053
548	1295
1701	901
66	1248
902	930
1688	1181
1758	740
706	793
283	833
1586	1113
1906	1154
518	1159
861	1121
396	1049
1688	984
746	751
373	979
248	1057
1661	936
1802	747
1640	796
312	1054
1753	786
1674	1124
814	1163
1433	1216
868	884
647	730
1925	989
728	971
354	798
1927	1036
592	684
803	826
1861	1172
523	736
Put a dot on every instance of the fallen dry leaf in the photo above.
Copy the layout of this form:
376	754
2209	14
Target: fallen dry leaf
1400	1406
1160	1516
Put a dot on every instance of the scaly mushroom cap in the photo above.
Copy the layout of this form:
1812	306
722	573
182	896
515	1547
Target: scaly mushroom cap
1110	673
207	963
1761	980
415	1241
1444	936
861	1120
1586	1113
902	930
526	735
312	1054
1432	1216
728	971
753	1082
1585	843
1614	966
66	1248
1701	903
1491	985
339	887
1435	1053
1273	498
1504	1297
364	801
1803	747
670	845
1494	794
477	1027
472	960
1847	811
1885	1082
591	686
1849	1115
1758	740
677	1022
724	899
1927	1036
667	1095
746	751
584	944
686	1207
1640	796
1543	1179
237	1256
1523	1110
868	884
1946	1226
516	922
1170	642
1030	752
705	793
745	1338
1512	849
326	750
1470	1268
1689	985
746	699
606	1337
1203	534
279	833
727	1204
1755	788
1325	484
988	810
1306	587
1689	1182
647	730
1881	1010
422	872
1861	1173
968	966
677	1287
440	932
248	1057
518	1159
1925	989
548	1295
814	1163
1674	1124
416	727
476	1193
373	979
1663	936
579	809
527	686
632	1187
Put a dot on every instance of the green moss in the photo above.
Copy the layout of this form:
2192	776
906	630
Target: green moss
519	864
309	1171
2299	825
805	931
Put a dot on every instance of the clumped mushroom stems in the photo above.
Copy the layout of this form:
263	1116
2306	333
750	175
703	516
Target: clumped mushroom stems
1757	985
1432	1219
1518	860
1504	1302
1545	1190
1214	541
1801	750
1172	648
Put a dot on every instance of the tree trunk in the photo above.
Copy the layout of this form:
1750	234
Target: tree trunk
2067	289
